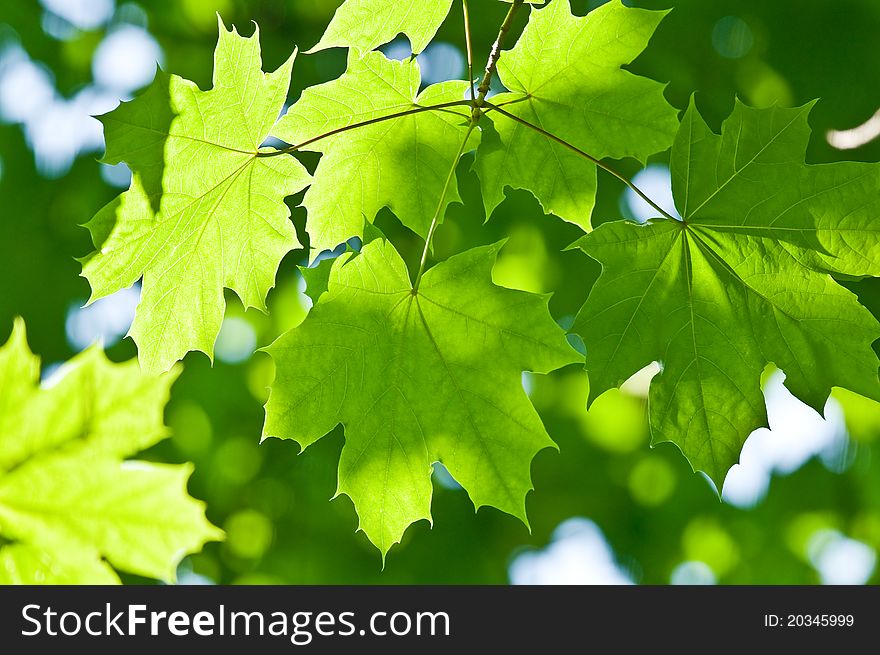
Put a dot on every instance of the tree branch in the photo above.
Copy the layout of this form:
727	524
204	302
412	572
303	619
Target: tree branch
494	56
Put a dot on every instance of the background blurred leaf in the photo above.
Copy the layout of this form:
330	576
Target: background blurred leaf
68	498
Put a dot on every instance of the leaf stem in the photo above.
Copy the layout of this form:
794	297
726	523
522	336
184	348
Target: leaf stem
514	101
586	155
435	221
494	56
354	126
470	48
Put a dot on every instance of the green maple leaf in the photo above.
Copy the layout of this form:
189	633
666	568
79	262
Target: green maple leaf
204	211
69	500
564	75
416	378
400	163
367	24
745	280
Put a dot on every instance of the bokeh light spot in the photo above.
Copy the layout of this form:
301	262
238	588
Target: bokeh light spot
651	481
248	534
191	430
440	62
616	422
693	573
732	37
704	540
126	60
238	460
655	181
797	433
25	86
106	320
444	478
83	14
579	554
840	560
118	175
236	342
203	13
524	262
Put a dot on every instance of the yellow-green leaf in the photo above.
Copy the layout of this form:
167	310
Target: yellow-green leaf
69	498
205	211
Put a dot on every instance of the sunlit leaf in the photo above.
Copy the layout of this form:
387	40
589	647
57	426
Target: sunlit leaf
367	24
204	211
400	163
69	498
415	378
564	75
744	280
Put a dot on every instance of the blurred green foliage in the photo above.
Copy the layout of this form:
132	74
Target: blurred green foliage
275	505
